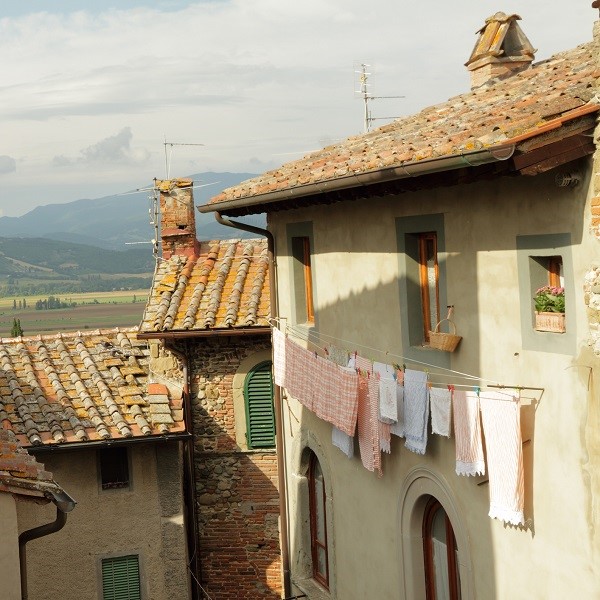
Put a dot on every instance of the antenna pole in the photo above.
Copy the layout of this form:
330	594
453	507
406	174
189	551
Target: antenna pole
363	90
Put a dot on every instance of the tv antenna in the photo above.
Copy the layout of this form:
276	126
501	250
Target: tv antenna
364	92
169	153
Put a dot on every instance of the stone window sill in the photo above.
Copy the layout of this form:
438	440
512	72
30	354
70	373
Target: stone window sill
312	589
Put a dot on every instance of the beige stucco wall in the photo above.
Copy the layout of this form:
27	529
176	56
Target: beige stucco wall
9	549
355	272
145	519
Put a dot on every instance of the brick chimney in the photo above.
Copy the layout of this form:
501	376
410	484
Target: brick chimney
502	49
177	217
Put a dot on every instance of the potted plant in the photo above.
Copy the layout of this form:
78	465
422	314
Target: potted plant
550	309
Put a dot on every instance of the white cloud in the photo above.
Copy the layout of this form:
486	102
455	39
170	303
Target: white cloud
7	164
253	81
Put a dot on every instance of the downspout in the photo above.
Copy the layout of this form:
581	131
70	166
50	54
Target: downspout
280	449
64	504
190	480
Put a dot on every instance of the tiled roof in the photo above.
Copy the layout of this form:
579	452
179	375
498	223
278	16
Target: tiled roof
225	287
75	387
493	115
21	473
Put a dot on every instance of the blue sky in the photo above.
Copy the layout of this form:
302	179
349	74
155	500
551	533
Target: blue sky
91	90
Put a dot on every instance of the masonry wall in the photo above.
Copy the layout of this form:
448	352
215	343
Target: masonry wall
9	548
237	497
146	519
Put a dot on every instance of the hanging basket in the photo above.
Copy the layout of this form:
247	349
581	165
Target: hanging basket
444	341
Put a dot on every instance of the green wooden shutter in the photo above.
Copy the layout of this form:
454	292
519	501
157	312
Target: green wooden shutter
260	420
121	578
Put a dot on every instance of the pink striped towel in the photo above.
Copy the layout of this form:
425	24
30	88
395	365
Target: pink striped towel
467	431
368	424
501	417
279	357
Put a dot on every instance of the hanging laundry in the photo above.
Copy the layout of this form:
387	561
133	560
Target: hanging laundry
388	406
440	400
467	433
501	417
368	423
398	427
279	357
335	394
416	410
343	441
337	355
299	365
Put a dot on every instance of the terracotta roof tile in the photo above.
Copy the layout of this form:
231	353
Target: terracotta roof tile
226	286
76	387
521	104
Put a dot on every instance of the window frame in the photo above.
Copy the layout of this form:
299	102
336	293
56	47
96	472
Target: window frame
423	239
265	365
432	509
317	544
112	560
302	281
123	466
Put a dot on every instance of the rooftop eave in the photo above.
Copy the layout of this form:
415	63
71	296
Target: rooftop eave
196	333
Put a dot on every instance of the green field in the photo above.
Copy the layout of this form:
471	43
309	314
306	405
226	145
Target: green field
101	310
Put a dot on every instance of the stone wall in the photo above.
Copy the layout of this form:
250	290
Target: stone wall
237	498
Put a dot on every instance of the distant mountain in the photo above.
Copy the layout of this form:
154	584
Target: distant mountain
113	222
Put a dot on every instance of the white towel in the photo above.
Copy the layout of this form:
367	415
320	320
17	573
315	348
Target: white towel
342	441
416	410
279	357
440	411
501	417
398	427
467	433
388	409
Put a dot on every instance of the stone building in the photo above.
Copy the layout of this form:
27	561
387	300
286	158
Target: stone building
85	404
209	305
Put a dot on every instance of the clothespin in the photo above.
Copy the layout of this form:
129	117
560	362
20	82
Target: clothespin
477	390
451	388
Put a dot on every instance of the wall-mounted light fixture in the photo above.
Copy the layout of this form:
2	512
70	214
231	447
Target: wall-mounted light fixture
567	179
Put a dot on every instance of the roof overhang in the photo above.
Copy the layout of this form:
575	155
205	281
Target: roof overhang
197	333
558	141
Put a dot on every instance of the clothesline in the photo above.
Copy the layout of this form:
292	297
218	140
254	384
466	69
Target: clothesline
305	335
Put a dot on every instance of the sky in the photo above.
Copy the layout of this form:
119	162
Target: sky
91	91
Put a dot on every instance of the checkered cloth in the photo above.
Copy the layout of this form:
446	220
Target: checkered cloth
368	424
335	395
299	365
279	357
467	432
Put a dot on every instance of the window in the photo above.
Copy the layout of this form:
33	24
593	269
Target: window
555	271
442	580
303	279
429	282
318	522
114	468
121	578
258	396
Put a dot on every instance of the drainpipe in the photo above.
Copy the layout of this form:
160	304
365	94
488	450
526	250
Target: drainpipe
190	479
280	449
64	504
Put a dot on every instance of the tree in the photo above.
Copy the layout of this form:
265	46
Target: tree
16	330
15	304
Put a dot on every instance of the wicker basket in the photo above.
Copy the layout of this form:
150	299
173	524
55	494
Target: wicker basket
444	341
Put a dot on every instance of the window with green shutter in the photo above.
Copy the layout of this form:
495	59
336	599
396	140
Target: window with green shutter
121	578
258	394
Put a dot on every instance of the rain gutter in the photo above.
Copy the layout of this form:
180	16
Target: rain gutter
64	504
174	335
277	400
405	170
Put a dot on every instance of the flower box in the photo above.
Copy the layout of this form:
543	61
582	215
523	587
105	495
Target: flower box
550	321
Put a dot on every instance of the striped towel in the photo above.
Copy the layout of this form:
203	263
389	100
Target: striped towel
299	365
398	427
368	424
388	408
416	410
279	357
342	441
501	417
440	410
467	431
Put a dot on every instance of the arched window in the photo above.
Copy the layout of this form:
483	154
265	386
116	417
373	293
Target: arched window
318	522
442	579
258	396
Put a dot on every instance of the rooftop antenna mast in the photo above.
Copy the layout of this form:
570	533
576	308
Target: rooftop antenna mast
364	92
169	153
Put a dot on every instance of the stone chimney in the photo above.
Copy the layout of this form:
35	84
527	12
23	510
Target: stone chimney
502	49
177	217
